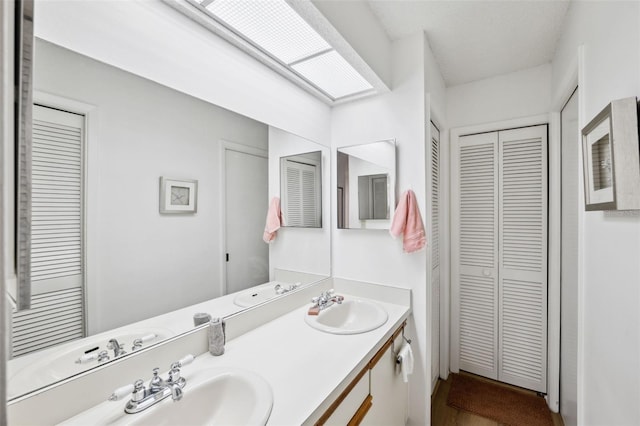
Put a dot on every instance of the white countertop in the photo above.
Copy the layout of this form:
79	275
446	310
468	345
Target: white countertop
305	367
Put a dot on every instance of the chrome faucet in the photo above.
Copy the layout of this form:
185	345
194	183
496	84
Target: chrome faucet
117	348
158	389
326	299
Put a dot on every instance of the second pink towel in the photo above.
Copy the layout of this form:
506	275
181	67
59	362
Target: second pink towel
273	222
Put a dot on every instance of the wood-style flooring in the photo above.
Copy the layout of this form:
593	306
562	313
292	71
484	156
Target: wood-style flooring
443	415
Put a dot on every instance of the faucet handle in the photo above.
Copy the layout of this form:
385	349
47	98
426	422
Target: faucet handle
121	392
156	381
137	343
103	356
137	389
174	372
87	357
186	360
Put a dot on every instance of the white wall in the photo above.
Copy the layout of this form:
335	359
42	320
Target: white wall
300	249
150	39
514	95
146	263
372	255
609	294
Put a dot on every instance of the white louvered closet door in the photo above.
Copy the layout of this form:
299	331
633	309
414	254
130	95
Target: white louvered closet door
500	256
476	254
57	270
523	257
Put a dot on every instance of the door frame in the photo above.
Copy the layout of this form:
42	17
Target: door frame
441	332
225	146
553	315
574	77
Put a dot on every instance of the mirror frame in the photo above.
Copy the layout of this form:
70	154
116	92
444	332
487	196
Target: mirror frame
24	142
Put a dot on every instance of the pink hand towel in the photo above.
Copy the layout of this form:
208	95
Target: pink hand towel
273	222
408	221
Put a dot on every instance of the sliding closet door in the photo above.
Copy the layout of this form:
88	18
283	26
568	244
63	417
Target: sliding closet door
475	254
523	257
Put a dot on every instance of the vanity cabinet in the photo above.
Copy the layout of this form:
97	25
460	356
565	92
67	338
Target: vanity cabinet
390	393
376	396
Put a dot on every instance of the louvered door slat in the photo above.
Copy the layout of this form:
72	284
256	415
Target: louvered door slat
523	257
477	245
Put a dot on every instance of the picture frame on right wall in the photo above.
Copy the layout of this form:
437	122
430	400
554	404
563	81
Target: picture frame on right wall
611	158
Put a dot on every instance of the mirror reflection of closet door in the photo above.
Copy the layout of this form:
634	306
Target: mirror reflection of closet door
245	207
57	313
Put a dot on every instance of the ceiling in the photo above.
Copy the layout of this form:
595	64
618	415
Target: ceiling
473	40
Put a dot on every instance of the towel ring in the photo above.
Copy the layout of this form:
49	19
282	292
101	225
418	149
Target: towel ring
404	337
398	359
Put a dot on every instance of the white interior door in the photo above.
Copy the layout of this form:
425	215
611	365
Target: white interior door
522	270
499	256
475	255
245	206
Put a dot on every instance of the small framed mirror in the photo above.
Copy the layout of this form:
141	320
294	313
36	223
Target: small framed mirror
366	180
301	189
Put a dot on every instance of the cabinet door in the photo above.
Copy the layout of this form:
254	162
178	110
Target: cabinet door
351	404
389	392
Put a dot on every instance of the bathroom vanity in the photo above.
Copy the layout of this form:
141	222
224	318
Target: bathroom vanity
315	377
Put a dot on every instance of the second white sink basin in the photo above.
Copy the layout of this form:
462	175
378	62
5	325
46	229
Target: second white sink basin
225	397
212	396
350	317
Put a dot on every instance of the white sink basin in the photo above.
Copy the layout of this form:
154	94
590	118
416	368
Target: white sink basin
350	317
212	396
60	362
224	397
255	295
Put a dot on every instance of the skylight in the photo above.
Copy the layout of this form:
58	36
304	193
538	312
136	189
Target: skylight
276	29
333	74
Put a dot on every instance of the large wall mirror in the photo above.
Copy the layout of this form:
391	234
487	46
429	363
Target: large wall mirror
111	272
366	180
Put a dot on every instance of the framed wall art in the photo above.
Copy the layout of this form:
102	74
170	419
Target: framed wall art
178	196
611	158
